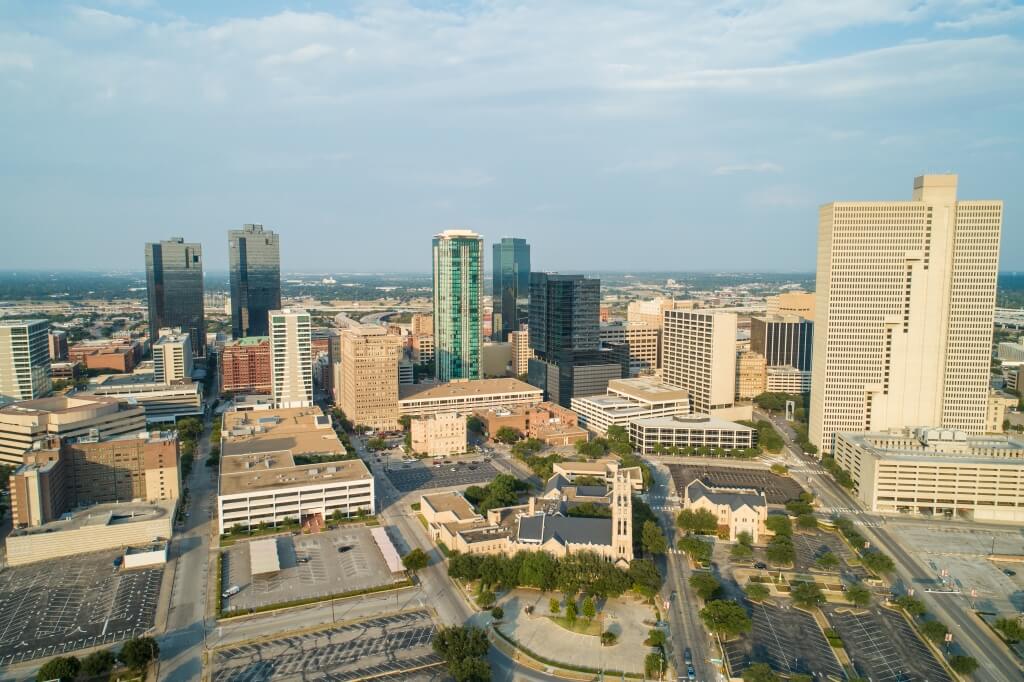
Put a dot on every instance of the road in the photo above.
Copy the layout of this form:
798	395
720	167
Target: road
997	664
683	618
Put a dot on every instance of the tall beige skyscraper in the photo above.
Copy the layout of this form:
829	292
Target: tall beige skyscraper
24	360
699	354
369	376
291	358
903	316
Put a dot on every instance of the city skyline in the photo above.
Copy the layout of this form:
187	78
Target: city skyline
674	129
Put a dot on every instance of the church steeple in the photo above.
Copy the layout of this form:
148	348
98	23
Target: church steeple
622	517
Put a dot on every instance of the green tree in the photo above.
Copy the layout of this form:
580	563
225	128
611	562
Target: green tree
507	435
416	560
652	539
807	521
497	613
376	443
655	637
570	612
554	606
741	552
807	595
1010	628
405	421
704	584
695	548
934	630
779	524
876	562
464	650
725	618
644	575
799	507
827	561
915	607
485	599
609	638
475	424
589	610
98	663
138	653
965	665
654	665
63	668
757	591
745	538
760	672
858	595
780	550
700	521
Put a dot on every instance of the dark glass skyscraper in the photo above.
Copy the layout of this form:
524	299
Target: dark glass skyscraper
174	285
511	284
254	256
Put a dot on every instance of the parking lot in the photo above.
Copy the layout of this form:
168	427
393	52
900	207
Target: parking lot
884	647
408	477
777	489
789	640
810	546
314	565
382	648
52	608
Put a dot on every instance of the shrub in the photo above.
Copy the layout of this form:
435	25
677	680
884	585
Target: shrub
609	638
757	591
965	665
497	613
934	630
63	668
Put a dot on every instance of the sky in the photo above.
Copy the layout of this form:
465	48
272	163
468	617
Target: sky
612	135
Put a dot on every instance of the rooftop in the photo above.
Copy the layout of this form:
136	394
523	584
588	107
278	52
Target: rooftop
247	341
9	322
540	528
947	445
452	502
61	404
111	514
466	389
735	499
647	389
701	422
138	380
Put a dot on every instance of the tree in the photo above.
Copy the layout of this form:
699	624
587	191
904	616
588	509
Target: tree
780	550
799	507
760	672
695	548
589	611
827	561
376	443
554	606
701	521
779	524
704	584
416	560
934	630
497	613
507	435
745	538
1010	628
485	599
807	521
741	552
645	577
726	618
463	649
137	653
858	595
654	665
779	469
655	637
471	670
757	591
475	424
405	421
570	612
807	595
98	663
64	668
915	607
609	638
876	562
652	539
965	665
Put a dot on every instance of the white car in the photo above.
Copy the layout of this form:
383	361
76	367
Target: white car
233	590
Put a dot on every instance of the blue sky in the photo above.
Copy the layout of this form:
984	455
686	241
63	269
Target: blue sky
612	135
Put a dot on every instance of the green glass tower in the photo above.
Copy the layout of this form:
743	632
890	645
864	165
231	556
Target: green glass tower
458	304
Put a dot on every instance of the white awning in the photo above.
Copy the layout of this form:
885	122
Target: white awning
387	548
263	556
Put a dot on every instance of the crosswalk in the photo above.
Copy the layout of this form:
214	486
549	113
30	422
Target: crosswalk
839	510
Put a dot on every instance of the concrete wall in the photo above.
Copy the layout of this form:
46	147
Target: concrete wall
27	549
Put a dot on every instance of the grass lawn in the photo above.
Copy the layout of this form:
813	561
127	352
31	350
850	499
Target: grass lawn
581	626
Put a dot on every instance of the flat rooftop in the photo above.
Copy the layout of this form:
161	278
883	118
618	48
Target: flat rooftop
57	404
648	389
963	449
452	502
701	422
247	341
111	514
466	389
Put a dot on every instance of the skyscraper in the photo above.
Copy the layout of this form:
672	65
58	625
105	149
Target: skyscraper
172	357
458	303
291	358
369	376
565	335
783	340
254	255
699	354
903	316
511	285
174	285
24	360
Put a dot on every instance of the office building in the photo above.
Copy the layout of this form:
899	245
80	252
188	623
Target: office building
422	346
458	304
751	375
287	464
936	472
496	358
786	379
699	355
998	405
26	423
652	312
1012	377
905	303
406	373
640	342
174	287
172	357
628	399
783	340
521	351
547	422
1011	353
24	360
791	303
245	366
438	435
254	257
58	345
465	397
654	435
369	376
575	374
511	285
291	358
118	355
82	471
422	324
161	401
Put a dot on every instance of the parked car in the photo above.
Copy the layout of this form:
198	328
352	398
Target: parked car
1009	572
691	674
344	548
760	565
687	656
234	589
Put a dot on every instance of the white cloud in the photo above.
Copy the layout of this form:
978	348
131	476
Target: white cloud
103	20
760	167
302	55
14	60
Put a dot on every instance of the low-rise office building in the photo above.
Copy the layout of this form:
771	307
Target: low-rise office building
751	375
653	434
998	405
162	402
465	397
605	469
287	464
1010	352
641	344
936	472
786	379
521	351
439	435
25	423
548	422
738	510
119	355
628	399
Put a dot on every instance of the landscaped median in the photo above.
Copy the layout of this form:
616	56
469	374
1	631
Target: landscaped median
239	613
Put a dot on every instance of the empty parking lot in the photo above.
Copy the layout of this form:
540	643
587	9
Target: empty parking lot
811	545
316	565
884	647
381	647
409	477
789	640
51	608
777	489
